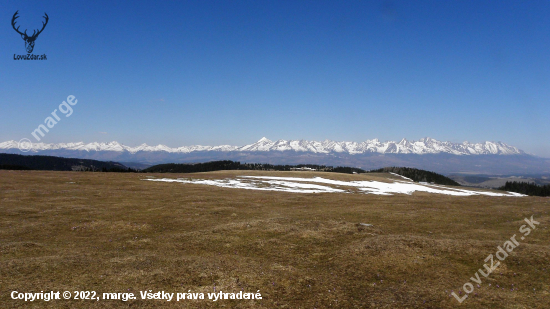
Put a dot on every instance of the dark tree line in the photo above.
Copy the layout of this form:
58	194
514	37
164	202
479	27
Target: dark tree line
232	165
13	167
418	175
526	188
119	170
51	163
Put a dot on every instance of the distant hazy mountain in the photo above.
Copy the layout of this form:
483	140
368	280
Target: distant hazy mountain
427	153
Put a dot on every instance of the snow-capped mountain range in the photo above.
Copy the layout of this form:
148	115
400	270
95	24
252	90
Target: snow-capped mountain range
422	146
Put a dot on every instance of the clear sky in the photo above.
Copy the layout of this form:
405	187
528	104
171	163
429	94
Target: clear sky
230	72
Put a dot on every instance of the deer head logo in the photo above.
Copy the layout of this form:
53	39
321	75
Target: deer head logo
29	40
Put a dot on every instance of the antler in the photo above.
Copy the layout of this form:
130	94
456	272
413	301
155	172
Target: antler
43	25
13	24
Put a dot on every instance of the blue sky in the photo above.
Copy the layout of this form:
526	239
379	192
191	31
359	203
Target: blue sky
230	72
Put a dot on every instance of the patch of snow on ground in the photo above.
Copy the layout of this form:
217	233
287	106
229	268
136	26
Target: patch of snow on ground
394	174
275	185
296	185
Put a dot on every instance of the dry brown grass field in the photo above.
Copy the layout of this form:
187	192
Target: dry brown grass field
111	232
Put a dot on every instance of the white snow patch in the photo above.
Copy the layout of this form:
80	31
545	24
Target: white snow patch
297	185
394	174
274	185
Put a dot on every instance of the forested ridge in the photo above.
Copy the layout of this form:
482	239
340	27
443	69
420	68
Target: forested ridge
232	165
418	175
51	163
527	188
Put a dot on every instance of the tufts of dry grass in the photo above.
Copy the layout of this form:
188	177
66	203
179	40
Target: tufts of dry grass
111	232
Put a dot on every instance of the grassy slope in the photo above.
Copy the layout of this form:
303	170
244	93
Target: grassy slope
112	232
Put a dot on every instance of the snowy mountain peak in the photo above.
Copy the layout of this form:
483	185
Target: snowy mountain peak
425	145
